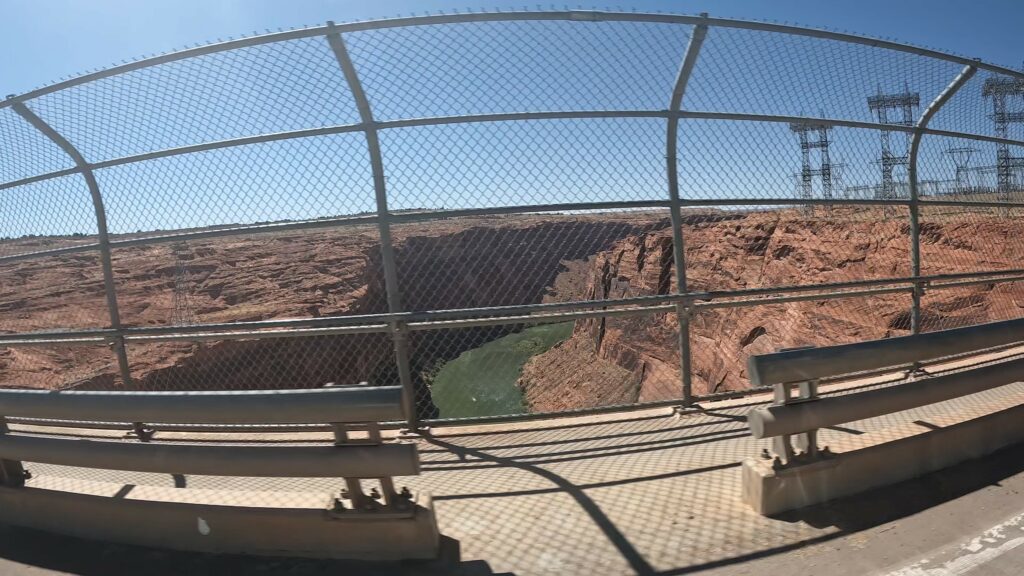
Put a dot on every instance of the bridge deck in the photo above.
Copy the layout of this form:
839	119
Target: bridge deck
646	492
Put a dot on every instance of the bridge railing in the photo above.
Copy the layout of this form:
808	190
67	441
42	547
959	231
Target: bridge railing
647	199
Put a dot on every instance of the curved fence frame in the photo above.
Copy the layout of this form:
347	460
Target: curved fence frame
398	322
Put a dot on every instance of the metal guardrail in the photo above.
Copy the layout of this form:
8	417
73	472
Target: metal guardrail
345	409
319	406
217	460
797	414
803	417
816	363
374	118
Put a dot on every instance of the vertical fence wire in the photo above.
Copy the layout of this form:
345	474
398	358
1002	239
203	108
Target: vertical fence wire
683	309
915	226
399	331
101	227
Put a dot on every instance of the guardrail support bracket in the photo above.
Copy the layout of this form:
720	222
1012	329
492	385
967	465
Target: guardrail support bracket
798	449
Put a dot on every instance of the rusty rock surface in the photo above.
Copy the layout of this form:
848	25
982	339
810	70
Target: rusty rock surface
636	358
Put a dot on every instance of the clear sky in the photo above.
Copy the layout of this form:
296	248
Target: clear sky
486	68
44	40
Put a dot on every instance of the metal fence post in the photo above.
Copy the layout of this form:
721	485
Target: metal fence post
399	332
683	308
103	238
915	226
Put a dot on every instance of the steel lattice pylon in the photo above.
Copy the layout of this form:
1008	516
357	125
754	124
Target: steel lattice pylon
1003	90
880	105
182	314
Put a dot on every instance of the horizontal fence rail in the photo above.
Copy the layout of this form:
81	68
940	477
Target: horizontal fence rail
369	201
217	460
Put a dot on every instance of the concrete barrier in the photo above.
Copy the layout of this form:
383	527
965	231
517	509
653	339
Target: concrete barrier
795	471
286	530
384	524
882	458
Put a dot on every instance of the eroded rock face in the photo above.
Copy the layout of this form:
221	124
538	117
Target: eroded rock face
636	358
497	262
462	263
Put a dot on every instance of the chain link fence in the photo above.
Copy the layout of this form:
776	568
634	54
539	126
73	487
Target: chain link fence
506	213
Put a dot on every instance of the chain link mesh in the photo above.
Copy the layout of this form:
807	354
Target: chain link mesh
723	339
24	152
257	184
567	220
248	91
46	215
760	72
495	67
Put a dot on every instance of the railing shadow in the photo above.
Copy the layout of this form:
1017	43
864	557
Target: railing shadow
844	517
24	551
896	501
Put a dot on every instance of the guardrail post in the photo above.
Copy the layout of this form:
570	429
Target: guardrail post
12	473
385	499
103	238
683	307
915	226
399	332
787	449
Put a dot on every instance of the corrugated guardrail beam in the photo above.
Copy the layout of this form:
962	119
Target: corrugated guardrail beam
813	363
790	419
319	406
352	461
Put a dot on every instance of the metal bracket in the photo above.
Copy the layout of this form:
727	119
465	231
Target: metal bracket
383	503
799	448
12	473
140	432
342	430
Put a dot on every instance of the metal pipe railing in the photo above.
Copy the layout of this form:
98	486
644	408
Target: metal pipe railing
672	169
570	15
915	229
500	117
399	332
110	289
397	321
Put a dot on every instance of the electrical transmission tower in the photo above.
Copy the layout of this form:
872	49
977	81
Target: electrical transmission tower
813	136
962	161
902	106
182	314
1003	91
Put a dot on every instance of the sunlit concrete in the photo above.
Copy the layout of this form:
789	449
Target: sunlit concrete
644	492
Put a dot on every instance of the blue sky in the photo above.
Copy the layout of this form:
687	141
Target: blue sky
479	69
44	40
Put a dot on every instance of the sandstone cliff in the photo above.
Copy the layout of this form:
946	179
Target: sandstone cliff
460	263
471	262
636	358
